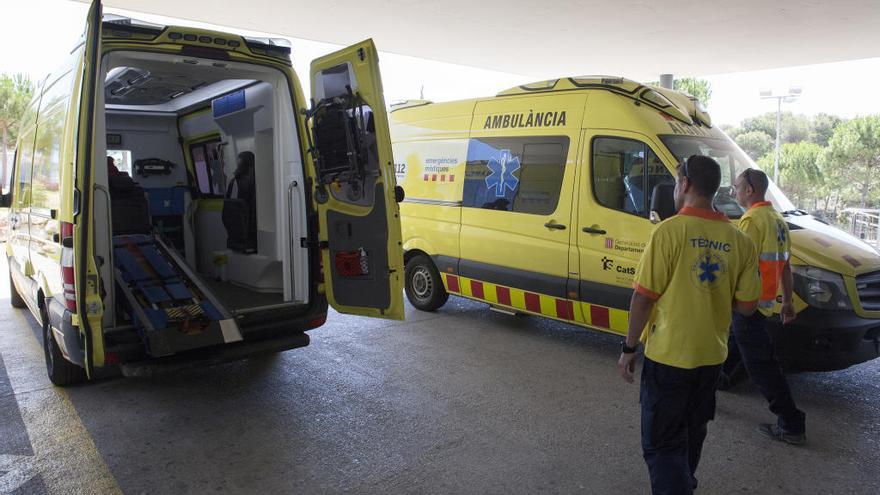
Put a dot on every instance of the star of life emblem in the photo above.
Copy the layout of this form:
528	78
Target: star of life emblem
502	176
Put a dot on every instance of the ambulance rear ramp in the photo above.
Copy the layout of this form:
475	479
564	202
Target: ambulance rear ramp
170	307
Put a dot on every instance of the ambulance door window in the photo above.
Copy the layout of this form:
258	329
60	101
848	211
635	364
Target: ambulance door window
625	173
619	174
522	175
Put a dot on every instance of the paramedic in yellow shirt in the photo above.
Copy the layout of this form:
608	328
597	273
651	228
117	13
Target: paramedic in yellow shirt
696	266
750	341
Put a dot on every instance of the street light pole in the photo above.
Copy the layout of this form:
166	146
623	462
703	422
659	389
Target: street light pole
776	159
793	94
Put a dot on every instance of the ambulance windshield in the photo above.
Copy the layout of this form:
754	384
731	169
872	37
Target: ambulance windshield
733	161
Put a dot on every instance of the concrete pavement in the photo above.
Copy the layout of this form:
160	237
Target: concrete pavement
464	400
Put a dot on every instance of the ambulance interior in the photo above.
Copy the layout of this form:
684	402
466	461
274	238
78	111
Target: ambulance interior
206	178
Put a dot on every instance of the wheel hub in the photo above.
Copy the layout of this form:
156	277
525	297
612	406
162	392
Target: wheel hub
422	285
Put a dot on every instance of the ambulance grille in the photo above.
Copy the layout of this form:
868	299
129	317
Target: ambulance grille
868	287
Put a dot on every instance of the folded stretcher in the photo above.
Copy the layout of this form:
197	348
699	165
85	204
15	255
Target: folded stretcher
170	308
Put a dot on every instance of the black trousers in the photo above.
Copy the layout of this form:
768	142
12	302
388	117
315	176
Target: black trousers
677	404
750	343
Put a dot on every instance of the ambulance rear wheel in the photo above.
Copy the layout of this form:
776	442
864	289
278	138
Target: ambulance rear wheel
424	287
61	371
15	299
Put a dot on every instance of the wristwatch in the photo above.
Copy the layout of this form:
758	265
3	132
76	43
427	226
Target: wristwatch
627	349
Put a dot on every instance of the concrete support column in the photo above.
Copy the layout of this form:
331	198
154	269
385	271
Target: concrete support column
666	81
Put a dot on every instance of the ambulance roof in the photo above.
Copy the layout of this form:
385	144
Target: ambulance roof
681	106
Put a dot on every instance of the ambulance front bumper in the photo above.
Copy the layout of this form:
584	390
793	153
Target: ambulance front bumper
825	340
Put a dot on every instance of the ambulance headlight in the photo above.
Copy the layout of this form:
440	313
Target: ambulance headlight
820	288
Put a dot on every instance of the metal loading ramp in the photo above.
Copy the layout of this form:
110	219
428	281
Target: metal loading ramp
170	308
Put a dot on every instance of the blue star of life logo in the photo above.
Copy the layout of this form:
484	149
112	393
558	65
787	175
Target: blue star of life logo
708	270
780	232
502	176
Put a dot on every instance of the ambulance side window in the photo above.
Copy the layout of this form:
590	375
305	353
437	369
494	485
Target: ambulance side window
624	174
208	169
23	168
121	159
46	173
517	174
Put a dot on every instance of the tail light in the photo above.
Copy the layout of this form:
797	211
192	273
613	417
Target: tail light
352	263
111	358
316	322
67	278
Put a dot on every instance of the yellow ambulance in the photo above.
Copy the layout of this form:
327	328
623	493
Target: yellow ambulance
176	200
540	200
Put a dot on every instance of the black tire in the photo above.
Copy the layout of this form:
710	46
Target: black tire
15	299
61	371
424	286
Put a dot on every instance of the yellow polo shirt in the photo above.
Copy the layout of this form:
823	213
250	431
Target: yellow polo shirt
768	231
695	265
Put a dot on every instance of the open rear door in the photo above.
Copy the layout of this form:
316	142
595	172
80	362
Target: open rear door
354	185
89	306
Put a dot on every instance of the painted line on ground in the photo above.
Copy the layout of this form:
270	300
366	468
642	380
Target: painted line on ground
65	457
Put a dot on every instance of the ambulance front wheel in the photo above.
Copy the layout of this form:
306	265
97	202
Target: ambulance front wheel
424	287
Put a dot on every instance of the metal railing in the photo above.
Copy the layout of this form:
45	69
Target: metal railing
865	224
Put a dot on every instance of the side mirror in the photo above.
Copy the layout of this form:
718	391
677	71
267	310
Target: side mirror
399	194
662	202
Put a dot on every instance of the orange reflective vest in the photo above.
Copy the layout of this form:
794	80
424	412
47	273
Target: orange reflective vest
769	232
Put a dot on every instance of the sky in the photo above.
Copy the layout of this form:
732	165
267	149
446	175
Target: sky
826	88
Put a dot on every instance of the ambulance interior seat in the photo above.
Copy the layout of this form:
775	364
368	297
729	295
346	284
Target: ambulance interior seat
663	199
239	212
167	209
129	205
608	180
633	186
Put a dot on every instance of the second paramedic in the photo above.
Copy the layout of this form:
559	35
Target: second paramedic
694	268
767	229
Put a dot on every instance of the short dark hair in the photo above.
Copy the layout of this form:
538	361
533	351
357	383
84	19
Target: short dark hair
703	173
757	179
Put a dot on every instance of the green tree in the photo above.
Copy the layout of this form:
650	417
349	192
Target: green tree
793	128
822	128
853	155
765	123
755	143
731	130
799	172
834	191
699	88
15	93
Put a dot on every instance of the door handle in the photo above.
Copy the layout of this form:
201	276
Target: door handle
591	230
553	225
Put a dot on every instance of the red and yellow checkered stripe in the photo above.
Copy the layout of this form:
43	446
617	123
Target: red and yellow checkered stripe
592	315
438	177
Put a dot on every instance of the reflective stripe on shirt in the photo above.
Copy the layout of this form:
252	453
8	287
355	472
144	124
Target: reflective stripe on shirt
773	256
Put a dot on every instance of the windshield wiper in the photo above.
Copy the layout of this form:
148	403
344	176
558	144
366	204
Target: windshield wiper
797	212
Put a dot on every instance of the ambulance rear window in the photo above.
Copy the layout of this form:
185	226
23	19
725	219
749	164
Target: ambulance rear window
517	174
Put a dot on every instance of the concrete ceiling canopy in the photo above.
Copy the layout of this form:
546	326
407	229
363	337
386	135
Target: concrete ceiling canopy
636	38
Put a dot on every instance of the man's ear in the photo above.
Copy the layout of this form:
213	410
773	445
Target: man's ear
685	184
